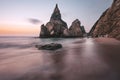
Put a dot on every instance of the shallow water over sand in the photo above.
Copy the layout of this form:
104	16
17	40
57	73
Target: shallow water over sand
79	59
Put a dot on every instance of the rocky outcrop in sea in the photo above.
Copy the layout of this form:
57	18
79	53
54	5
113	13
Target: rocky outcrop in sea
75	29
108	24
57	28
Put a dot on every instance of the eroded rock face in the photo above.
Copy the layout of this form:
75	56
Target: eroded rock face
44	32
56	27
75	30
109	23
83	30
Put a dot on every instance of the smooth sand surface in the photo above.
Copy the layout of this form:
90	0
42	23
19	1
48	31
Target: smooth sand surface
107	41
79	59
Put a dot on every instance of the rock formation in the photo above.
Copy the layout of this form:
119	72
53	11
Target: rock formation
56	27
51	46
109	23
44	32
83	30
75	29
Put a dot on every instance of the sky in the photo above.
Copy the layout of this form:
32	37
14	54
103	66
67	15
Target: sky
24	17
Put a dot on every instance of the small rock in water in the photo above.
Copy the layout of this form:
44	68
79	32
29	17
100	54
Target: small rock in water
51	46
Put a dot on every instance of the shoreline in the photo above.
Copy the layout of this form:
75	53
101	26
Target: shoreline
107	40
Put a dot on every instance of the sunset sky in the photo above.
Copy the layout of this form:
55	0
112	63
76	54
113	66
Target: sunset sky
24	17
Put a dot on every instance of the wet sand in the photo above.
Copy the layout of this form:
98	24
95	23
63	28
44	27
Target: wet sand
79	59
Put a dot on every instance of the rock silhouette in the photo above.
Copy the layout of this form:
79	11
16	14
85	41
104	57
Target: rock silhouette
56	27
109	23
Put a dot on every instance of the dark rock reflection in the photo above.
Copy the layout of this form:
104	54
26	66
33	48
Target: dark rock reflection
58	64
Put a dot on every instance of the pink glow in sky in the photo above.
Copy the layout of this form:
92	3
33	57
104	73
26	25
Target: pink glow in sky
15	13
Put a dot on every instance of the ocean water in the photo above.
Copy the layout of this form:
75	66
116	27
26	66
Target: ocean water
79	59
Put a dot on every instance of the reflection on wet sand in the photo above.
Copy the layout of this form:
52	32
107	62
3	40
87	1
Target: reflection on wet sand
58	64
81	59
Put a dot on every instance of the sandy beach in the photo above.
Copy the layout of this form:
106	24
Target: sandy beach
79	59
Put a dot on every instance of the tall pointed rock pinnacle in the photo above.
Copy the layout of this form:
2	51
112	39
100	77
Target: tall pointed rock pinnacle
56	14
56	8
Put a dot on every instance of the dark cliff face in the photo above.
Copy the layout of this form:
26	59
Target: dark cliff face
83	30
109	23
56	27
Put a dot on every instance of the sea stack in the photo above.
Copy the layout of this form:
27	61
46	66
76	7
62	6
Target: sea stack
108	24
75	29
57	28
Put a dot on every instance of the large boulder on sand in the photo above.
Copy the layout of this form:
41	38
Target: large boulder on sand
52	46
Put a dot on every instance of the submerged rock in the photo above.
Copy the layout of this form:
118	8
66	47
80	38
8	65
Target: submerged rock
52	46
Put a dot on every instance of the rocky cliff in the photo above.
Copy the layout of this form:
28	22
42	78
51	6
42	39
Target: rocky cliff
109	23
56	27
